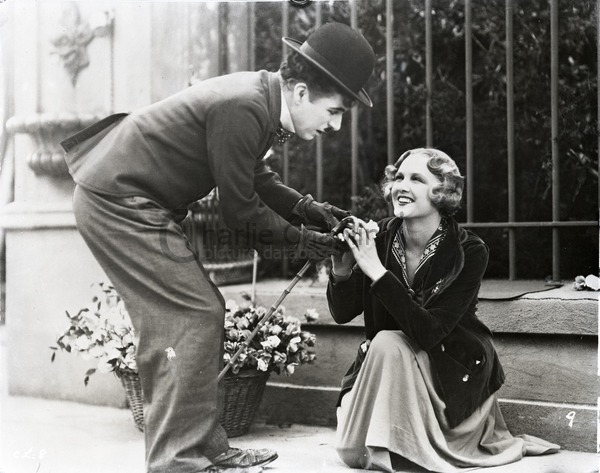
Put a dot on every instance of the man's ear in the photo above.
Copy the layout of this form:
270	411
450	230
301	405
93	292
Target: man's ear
301	92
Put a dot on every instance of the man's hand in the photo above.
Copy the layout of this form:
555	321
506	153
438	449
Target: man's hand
316	246
323	215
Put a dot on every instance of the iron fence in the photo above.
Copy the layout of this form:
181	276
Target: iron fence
511	224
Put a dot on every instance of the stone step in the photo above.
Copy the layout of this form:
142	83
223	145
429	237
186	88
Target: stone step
546	338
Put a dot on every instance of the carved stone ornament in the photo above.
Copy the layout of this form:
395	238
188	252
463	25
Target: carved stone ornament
73	37
47	130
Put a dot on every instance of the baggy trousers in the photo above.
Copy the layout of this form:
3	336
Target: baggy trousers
175	310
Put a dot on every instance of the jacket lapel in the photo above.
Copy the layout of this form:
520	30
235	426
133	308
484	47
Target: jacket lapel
446	264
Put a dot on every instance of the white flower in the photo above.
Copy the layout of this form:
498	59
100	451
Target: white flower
293	344
311	315
113	353
83	342
89	319
262	365
128	338
103	331
275	329
279	357
231	306
96	351
579	283
121	328
271	342
371	226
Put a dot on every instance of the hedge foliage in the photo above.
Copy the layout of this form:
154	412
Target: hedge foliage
578	126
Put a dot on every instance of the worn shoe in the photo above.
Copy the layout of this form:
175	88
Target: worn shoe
237	458
250	469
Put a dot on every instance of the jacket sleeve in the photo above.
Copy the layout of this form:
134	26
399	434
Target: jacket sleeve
273	192
428	326
345	298
236	135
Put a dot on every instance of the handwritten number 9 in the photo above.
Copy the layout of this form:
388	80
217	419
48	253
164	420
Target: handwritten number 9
571	417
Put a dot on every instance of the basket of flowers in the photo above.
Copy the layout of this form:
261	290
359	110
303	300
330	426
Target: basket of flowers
103	330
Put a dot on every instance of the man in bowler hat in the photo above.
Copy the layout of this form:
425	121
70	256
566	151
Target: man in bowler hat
137	173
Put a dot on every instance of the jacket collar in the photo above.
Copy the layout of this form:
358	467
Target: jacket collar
447	263
274	90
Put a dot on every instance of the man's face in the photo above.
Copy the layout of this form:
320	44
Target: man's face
316	117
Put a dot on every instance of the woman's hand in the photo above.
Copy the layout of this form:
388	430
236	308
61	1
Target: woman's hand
361	241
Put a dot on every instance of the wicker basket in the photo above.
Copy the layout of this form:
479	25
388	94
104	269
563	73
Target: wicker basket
242	395
135	398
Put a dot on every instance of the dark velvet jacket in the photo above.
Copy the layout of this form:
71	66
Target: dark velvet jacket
175	151
445	325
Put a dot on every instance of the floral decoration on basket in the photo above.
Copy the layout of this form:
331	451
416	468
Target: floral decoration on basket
280	345
103	330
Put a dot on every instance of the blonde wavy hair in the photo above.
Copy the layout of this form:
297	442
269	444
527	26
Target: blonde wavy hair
446	196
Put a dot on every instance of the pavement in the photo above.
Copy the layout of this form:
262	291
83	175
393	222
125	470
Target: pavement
57	436
51	436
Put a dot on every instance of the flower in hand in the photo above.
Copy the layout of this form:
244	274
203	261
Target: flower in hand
360	238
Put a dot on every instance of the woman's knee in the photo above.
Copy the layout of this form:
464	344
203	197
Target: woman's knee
391	343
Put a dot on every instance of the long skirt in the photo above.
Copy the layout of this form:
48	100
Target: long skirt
174	308
393	419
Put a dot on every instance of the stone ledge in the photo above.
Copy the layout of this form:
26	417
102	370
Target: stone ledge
37	216
505	306
545	369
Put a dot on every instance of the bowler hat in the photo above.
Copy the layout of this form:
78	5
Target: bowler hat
342	53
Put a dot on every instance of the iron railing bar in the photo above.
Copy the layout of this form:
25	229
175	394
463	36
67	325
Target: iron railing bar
286	149
510	139
469	109
550	224
428	74
354	118
598	85
389	74
285	32
319	141
554	133
223	39
251	36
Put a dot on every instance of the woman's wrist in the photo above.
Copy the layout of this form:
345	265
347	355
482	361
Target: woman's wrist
376	273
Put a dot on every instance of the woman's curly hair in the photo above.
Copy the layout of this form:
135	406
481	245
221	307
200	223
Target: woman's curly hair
298	69
446	196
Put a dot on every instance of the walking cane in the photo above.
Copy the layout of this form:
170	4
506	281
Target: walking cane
264	320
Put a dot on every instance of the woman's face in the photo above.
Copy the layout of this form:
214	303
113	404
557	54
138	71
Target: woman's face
411	188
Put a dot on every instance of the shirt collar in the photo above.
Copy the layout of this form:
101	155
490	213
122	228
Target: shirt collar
286	118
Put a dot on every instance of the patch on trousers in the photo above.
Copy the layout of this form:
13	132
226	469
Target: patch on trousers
171	355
